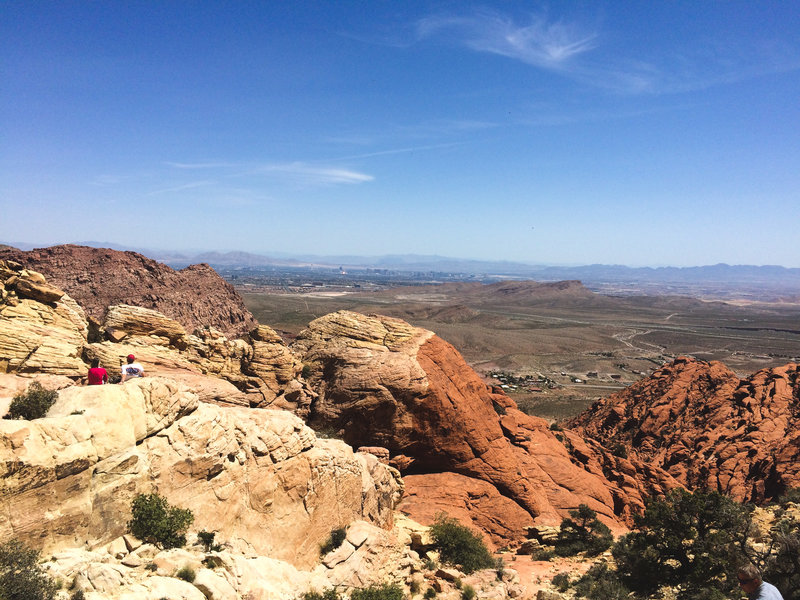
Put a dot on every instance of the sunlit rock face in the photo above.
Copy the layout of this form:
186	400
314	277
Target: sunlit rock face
708	428
42	330
382	382
259	477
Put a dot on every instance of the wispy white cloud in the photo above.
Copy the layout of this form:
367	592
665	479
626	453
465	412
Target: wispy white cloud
179	188
315	175
201	165
541	43
576	51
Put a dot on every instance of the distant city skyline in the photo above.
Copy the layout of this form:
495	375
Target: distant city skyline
636	133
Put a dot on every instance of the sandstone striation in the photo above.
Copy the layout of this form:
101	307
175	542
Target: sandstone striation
706	427
385	383
258	477
42	330
99	277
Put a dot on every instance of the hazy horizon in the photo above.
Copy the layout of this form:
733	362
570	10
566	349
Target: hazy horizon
637	133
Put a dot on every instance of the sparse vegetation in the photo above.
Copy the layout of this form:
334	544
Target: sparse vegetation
468	593
207	539
335	539
430	593
155	521
583	533
33	403
561	582
327	594
378	592
21	576
186	573
458	545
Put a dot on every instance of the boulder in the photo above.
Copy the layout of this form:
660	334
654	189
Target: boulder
39	333
382	382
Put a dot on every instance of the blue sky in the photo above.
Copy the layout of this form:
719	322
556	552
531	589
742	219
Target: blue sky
638	133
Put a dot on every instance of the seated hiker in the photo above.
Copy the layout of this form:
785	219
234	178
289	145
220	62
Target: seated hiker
131	369
97	374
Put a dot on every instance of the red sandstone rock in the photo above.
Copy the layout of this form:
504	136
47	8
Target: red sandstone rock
708	428
99	277
383	382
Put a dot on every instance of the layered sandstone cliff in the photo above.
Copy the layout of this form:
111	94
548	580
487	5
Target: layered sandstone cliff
707	427
97	278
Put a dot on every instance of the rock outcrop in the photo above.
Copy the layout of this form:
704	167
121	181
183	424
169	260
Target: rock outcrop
42	330
258	477
99	277
382	382
706	427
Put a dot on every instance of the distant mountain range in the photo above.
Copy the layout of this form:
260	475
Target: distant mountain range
768	278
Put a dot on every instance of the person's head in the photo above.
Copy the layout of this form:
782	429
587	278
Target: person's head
95	363
749	578
131	358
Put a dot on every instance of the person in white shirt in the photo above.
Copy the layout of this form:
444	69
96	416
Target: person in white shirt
132	369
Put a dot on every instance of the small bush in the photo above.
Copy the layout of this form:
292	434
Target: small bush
561	582
21	576
328	594
583	533
414	587
430	594
468	593
600	583
458	545
429	564
33	403
186	573
151	566
155	521
77	595
207	539
378	592
335	539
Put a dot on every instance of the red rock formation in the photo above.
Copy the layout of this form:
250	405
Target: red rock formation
383	382
708	428
99	277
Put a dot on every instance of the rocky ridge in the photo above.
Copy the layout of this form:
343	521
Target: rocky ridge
97	278
707	427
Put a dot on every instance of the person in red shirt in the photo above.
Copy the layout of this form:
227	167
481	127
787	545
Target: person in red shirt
97	374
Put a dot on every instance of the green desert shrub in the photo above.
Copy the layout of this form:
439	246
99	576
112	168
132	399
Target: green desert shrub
186	573
583	533
458	545
207	539
430	593
335	539
561	582
378	592
687	539
33	403
468	593
328	594
600	583
157	522
21	576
